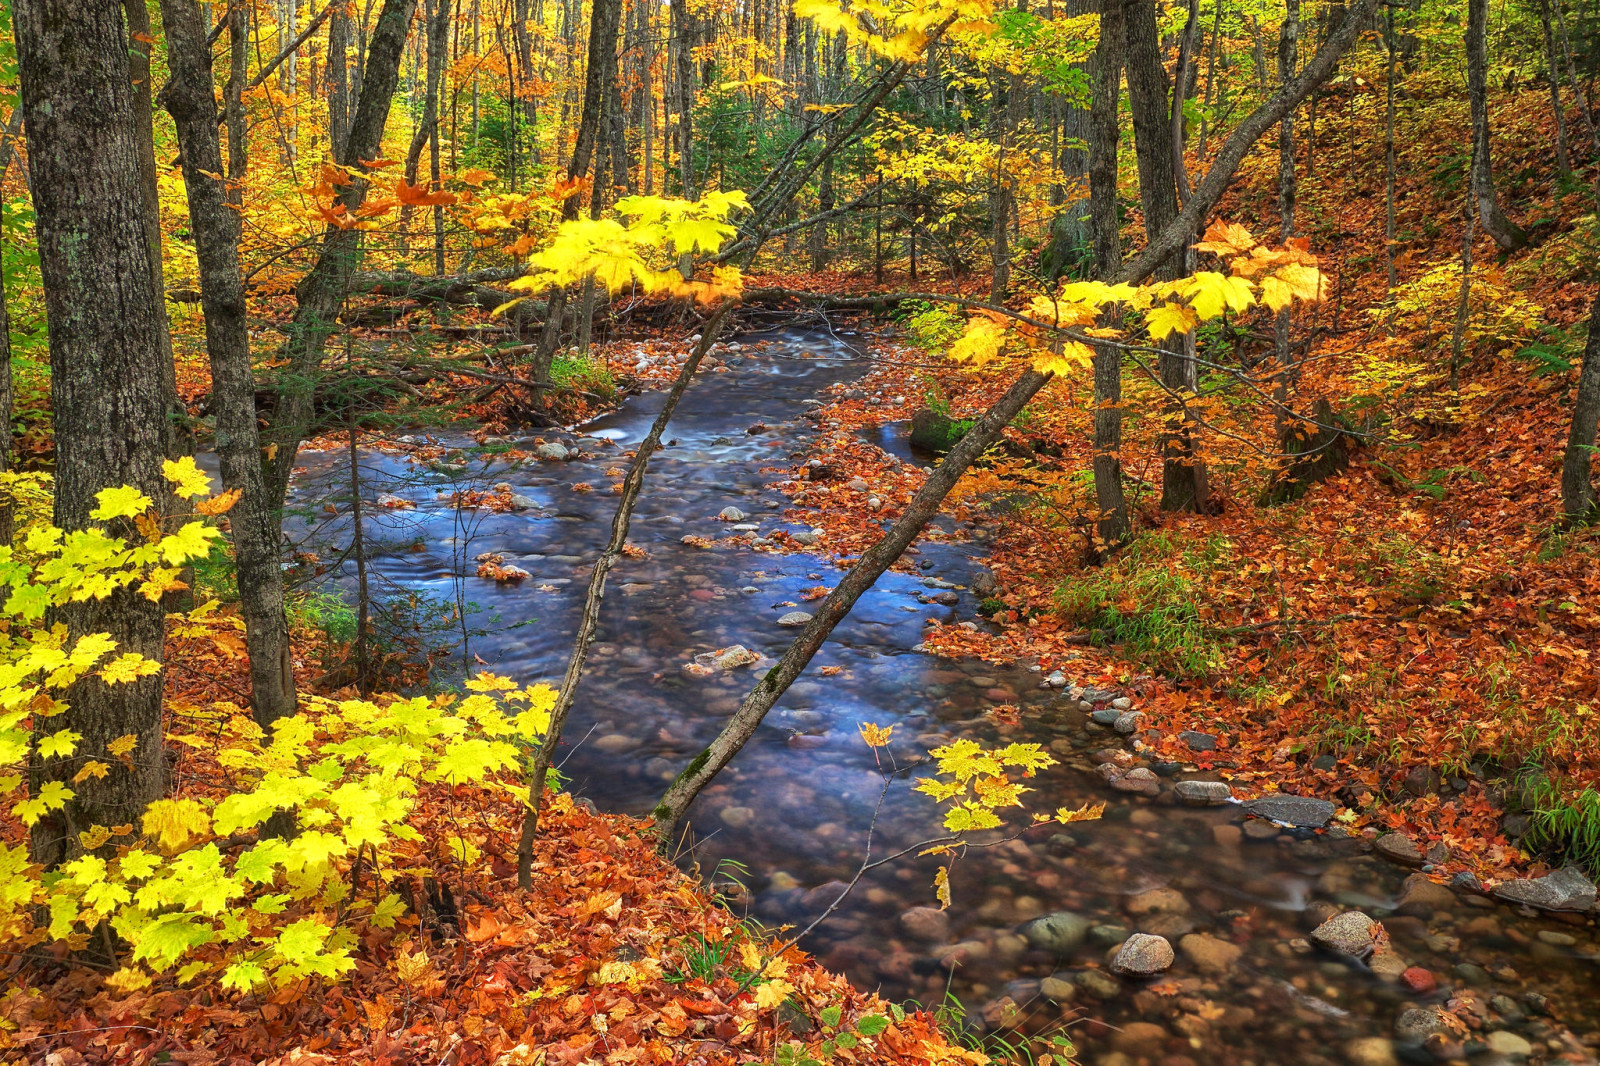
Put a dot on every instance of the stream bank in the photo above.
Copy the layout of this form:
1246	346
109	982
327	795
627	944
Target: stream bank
1036	925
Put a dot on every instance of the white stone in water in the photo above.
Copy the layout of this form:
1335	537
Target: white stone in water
794	619
731	514
553	452
524	503
394	503
874	504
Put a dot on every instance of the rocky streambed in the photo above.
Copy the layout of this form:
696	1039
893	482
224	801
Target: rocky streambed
1183	927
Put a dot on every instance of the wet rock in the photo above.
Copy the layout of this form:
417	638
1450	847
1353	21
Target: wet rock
731	514
804	537
615	744
523	503
1203	793
1057	933
1422	897
1098	984
1140	1039
1255	829
1398	848
1304	812
1419	979
823	896
1564	890
1388	965
1157	901
1557	939
1138	780
733	657
553	452
1107	935
966	953
698	671
1349	934
394	503
1106	717
794	619
1122	703
1128	722
948	599
1418	1023
1056	679
1508	1044
1058	990
737	817
926	923
1171	926
1209	954
1371	1051
1467	881
1198	741
1143	955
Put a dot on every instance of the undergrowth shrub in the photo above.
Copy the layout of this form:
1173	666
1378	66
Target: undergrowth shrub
1147	601
574	371
929	326
1566	823
199	886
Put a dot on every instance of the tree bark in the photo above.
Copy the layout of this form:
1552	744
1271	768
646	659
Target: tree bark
7	512
233	99
1552	74
215	225
1578	501
1506	233
321	292
339	83
102	295
139	40
1183	475
1112	521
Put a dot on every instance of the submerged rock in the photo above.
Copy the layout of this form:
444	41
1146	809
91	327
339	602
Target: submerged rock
1209	954
1143	955
1349	934
1303	812
926	923
1057	933
1138	780
1418	1023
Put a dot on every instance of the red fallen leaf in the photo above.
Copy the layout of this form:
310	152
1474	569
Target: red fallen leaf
701	1006
486	929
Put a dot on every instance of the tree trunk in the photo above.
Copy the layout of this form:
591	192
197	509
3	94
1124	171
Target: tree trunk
1389	229
1506	233
684	26
1288	54
1552	74
1182	473
600	71
215	225
7	512
233	99
1112	522
102	295
1578	501
176	441
339	83
321	293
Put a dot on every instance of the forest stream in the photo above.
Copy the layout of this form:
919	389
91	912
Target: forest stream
789	819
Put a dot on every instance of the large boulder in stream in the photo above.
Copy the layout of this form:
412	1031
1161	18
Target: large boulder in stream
1302	812
1564	890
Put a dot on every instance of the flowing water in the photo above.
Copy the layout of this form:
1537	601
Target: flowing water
789	820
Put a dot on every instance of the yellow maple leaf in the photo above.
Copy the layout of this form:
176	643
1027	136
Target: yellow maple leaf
187	479
1170	318
875	736
175	822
